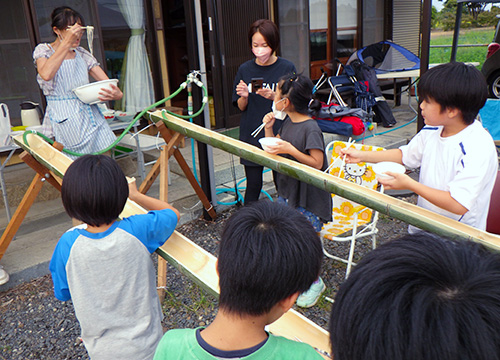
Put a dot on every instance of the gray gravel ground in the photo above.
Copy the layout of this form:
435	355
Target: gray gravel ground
35	325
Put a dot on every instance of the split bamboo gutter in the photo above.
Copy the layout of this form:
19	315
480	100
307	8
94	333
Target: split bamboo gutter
189	258
385	204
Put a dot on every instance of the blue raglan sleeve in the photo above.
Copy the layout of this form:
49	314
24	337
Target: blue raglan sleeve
152	229
58	263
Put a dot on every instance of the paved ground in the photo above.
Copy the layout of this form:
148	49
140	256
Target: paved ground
28	255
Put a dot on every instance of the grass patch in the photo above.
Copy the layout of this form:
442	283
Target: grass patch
468	54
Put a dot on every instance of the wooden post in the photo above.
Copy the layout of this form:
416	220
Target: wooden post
42	174
162	263
155	170
21	211
173	142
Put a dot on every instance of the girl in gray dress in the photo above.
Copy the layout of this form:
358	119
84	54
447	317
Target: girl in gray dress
302	141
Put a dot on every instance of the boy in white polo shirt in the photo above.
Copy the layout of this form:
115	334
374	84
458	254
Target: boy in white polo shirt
456	155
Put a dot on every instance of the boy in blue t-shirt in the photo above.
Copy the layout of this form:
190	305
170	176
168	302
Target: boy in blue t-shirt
269	254
105	266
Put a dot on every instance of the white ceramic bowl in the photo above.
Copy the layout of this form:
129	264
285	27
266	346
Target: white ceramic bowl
109	115
268	141
124	116
89	93
382	167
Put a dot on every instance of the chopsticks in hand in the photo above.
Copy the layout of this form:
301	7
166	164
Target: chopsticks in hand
343	158
258	130
349	143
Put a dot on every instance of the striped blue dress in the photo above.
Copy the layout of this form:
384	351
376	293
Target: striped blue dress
78	126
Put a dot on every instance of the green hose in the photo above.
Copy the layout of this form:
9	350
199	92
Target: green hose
127	129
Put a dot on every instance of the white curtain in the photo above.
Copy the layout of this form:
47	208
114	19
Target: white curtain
138	90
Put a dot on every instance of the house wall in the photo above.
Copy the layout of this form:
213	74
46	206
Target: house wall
406	24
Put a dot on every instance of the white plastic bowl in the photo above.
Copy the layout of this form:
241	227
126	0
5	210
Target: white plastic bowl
89	93
382	167
269	141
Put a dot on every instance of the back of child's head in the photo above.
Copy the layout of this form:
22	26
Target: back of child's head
94	190
455	85
299	90
420	297
268	252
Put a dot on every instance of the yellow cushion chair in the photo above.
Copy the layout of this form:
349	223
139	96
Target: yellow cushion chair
347	215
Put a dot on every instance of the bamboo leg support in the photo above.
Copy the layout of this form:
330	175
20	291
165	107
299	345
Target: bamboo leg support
167	136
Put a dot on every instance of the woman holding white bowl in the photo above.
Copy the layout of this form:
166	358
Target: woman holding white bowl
62	66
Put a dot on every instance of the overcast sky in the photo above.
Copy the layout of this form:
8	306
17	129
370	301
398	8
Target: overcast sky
438	4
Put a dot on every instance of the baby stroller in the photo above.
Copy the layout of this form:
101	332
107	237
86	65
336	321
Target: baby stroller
336	116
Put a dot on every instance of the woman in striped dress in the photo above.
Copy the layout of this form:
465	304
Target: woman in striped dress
62	66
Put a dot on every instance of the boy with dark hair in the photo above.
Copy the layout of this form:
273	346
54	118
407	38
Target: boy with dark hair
456	155
269	254
420	297
105	266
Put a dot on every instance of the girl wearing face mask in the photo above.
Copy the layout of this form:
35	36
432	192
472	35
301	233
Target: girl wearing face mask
62	66
263	38
302	141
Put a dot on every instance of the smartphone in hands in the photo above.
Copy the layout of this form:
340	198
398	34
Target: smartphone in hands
257	83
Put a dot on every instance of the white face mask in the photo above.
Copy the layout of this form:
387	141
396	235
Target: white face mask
278	114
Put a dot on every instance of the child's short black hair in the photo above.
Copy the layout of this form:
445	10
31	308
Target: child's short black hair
268	252
455	85
94	190
420	297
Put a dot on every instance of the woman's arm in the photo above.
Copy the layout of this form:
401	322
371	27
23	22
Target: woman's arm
47	68
242	92
105	94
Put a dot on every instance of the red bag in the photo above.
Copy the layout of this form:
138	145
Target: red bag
333	113
358	127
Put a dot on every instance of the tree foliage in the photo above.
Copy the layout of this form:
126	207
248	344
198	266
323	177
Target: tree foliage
473	15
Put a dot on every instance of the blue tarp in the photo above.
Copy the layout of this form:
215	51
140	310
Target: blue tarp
386	56
490	117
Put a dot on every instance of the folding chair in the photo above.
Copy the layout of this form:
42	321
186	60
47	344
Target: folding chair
347	215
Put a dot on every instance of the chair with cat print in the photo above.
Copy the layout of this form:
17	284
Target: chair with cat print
351	221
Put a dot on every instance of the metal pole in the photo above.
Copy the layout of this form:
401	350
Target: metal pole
456	32
424	50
